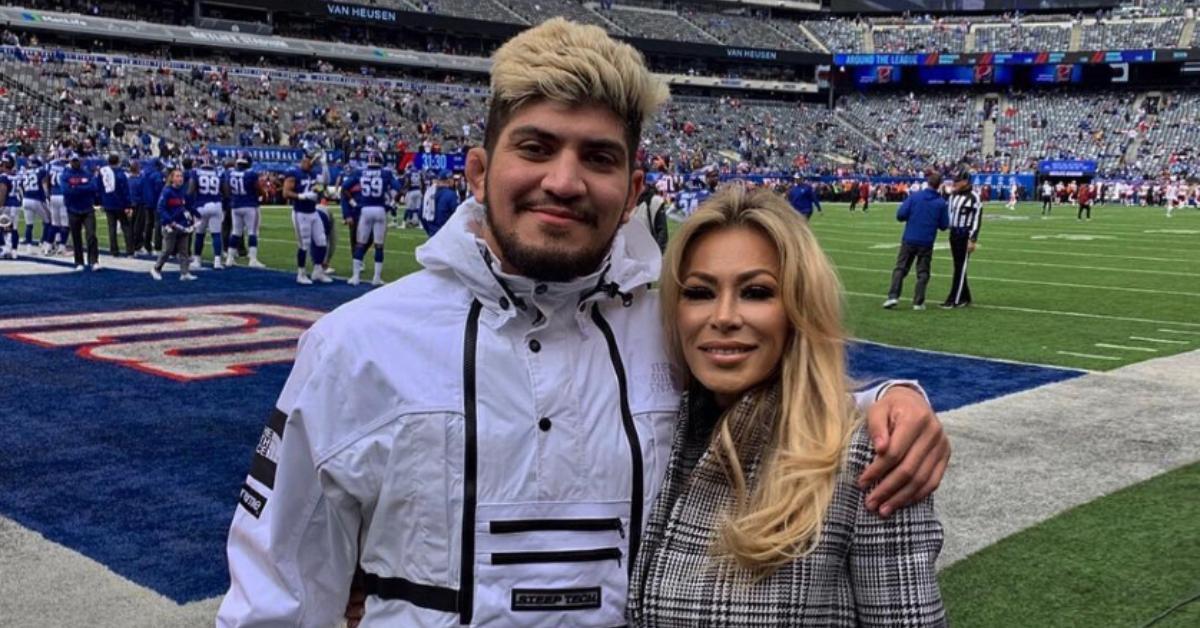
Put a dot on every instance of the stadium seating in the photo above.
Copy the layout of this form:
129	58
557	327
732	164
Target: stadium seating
933	129
838	35
657	24
1066	124
1114	35
1022	37
536	11
940	37
737	30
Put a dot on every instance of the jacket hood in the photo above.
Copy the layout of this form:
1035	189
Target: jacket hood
632	263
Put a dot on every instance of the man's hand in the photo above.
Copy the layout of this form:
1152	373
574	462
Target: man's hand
971	246
911	451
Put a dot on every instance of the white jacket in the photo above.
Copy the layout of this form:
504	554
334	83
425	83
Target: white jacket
487	448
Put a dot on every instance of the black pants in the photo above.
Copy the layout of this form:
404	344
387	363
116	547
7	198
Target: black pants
121	218
1047	203
909	253
1085	207
78	224
145	228
960	291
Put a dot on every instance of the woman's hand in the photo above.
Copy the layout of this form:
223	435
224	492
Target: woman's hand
911	450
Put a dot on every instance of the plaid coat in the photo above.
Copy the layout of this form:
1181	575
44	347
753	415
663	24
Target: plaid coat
865	570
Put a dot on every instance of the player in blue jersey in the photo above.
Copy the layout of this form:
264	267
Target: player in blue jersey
205	192
34	193
11	207
373	189
351	210
59	220
302	188
242	185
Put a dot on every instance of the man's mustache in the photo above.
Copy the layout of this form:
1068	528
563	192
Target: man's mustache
580	212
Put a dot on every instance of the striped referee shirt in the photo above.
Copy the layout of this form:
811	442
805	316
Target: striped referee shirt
966	212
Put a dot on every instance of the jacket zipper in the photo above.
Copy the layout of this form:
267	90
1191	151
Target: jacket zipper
511	526
566	556
466	585
637	501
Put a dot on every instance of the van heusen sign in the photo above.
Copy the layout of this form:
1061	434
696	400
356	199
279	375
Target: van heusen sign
359	12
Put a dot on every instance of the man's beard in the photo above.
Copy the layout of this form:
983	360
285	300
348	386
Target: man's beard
550	263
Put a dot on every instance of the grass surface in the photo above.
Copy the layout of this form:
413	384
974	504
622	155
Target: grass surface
1051	291
1118	561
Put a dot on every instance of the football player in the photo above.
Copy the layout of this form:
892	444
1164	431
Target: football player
374	187
243	188
205	190
301	187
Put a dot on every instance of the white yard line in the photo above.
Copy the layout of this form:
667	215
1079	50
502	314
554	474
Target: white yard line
1091	356
1179	331
1160	340
1010	308
1105	345
1170	273
1041	283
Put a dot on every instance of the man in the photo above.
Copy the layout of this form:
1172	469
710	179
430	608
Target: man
412	205
445	201
79	191
1013	193
373	189
136	185
59	219
924	214
32	182
1047	197
508	485
651	212
34	192
152	187
10	207
1084	198
966	214
242	187
300	188
803	197
864	196
205	192
114	198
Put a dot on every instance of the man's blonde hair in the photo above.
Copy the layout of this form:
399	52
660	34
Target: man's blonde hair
572	64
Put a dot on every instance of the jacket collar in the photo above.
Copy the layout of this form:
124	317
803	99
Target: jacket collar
632	263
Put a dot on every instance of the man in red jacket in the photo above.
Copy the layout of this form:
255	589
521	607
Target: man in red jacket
1084	198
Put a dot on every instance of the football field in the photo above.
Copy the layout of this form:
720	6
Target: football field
1071	501
1095	295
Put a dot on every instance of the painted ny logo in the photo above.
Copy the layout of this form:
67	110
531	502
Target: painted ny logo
183	344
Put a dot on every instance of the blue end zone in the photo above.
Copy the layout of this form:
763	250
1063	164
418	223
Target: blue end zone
951	381
141	473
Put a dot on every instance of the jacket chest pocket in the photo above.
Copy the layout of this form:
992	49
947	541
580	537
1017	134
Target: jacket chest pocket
551	564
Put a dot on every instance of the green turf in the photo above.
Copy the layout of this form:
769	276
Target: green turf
1041	286
1117	561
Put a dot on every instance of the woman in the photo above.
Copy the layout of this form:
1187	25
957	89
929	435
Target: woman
176	223
759	522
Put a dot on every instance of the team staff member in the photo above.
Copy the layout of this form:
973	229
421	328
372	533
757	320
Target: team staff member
79	192
114	198
1047	198
803	197
135	177
966	214
924	214
177	222
152	187
509	484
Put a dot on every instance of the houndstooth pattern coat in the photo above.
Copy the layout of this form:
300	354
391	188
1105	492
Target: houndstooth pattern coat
865	570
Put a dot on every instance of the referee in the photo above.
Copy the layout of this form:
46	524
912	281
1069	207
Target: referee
965	216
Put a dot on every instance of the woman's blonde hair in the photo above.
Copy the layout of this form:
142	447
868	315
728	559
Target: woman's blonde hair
572	64
781	518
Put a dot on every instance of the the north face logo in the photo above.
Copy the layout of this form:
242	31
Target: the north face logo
183	344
